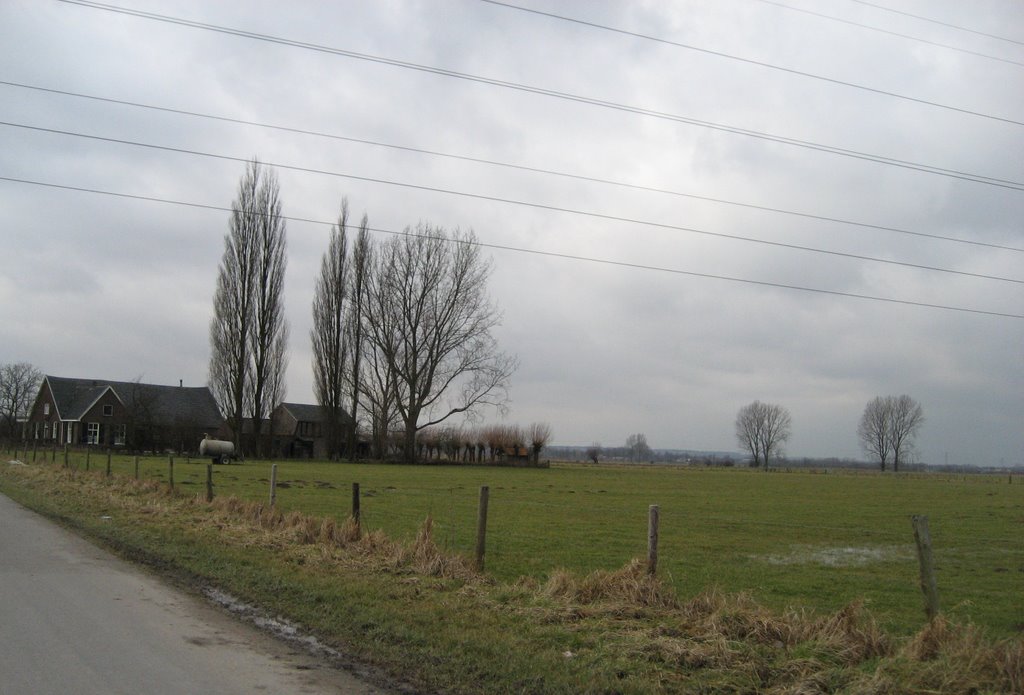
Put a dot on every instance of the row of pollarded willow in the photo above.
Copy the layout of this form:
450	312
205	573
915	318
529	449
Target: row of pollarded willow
484	443
887	428
403	334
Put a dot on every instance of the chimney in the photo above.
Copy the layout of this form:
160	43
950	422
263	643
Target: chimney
180	383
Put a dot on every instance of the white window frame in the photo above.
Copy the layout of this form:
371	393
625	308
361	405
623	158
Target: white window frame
93	433
108	411
120	435
46	408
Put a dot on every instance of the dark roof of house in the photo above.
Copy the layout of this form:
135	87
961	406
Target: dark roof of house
305	412
74	397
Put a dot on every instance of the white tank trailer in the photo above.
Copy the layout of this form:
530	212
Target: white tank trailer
218	450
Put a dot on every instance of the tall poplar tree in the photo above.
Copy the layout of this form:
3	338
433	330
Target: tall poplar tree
248	332
328	335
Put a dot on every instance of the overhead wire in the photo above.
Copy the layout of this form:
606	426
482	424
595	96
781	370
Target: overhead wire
888	32
749	61
938	22
511	201
566	96
552	254
510	165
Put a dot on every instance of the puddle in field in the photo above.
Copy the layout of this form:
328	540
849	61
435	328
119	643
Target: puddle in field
839	556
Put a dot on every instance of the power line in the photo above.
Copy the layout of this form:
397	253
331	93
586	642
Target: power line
880	30
519	167
751	61
935	21
625	108
511	201
550	254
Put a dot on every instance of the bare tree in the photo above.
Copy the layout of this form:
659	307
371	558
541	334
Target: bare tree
233	307
19	382
248	333
431	324
638	447
762	428
360	267
873	430
593	452
328	335
888	427
539	434
269	336
378	394
906	419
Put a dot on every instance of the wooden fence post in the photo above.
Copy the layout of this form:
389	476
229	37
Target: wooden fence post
88	452
53	452
170	472
35	445
209	482
66	446
355	503
136	467
929	587
273	484
108	463
481	527
652	539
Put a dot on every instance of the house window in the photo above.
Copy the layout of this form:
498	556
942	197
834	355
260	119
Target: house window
108	410
46	408
120	435
69	429
93	433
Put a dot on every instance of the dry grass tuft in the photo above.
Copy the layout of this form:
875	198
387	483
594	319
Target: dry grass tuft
1009	660
927	643
424	557
349	532
958	658
629	586
851	634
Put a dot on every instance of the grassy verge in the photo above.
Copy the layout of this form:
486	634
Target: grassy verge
425	617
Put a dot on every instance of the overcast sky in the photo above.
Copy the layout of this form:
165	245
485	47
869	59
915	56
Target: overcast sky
674	323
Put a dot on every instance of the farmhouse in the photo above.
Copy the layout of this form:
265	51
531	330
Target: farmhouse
122	414
300	430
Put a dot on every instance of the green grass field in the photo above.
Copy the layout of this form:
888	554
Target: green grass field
802	539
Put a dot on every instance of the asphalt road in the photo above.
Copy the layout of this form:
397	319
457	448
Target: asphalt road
75	619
